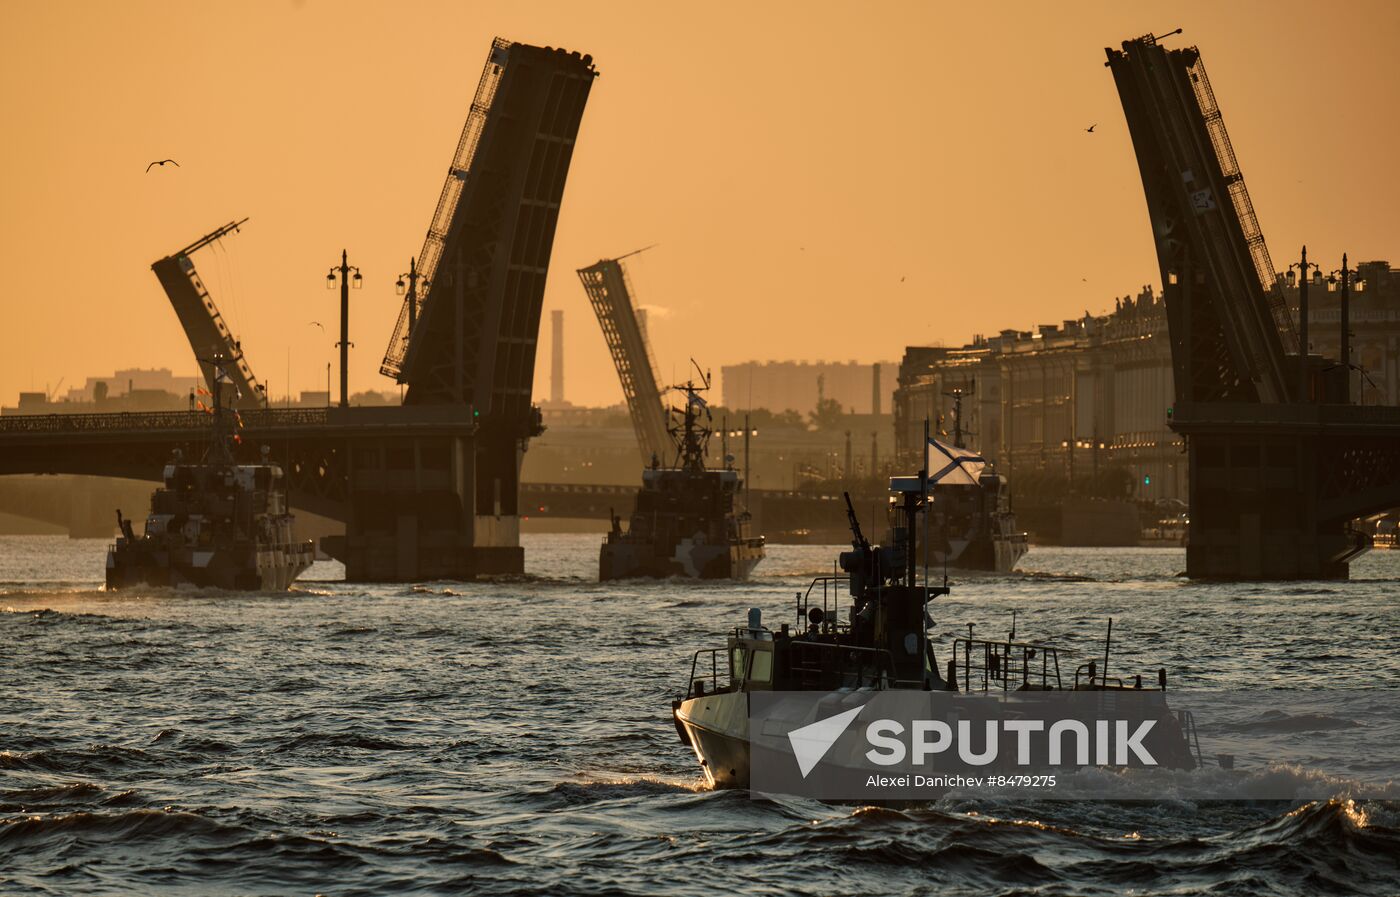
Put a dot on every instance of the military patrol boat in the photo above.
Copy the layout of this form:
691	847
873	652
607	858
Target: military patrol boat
971	525
685	522
882	642
213	524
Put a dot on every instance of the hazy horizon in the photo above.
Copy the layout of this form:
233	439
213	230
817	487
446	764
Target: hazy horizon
820	183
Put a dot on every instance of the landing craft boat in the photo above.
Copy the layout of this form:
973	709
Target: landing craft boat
213	524
972	526
685	522
882	643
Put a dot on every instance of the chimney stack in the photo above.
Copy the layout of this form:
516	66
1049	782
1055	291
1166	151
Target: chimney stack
556	370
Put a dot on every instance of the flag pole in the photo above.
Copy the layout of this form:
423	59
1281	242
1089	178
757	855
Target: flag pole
923	605
923	485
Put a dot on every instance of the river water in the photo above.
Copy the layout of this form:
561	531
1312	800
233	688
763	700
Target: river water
514	737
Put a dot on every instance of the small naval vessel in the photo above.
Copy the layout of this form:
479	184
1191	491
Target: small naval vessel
882	642
213	524
972	526
685	522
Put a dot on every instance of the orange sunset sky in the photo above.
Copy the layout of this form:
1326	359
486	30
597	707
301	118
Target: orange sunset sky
794	161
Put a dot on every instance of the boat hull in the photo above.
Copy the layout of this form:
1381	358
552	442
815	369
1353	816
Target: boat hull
132	564
994	555
627	559
716	727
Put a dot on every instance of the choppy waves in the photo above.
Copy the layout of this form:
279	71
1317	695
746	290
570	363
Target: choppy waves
513	738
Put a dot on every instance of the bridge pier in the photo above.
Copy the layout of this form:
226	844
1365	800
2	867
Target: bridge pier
1274	488
420	509
1251	517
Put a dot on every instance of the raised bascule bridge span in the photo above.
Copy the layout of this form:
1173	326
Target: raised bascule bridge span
613	299
1280	460
429	489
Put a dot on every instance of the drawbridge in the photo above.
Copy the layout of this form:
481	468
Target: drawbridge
468	339
613	299
1280	462
430	489
209	335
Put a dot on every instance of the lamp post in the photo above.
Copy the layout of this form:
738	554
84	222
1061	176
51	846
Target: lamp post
412	285
1342	278
346	280
1302	267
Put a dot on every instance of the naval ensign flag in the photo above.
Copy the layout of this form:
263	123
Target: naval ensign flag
951	465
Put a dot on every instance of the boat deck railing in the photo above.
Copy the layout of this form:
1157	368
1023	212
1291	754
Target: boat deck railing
695	686
831	594
1186	720
985	665
1087	676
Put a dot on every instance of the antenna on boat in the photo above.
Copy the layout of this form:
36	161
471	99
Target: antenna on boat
1106	642
947	550
704	375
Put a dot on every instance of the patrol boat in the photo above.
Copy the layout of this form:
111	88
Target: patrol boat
685	522
972	526
883	642
213	524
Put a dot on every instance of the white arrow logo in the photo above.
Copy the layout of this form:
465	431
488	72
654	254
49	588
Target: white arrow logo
811	742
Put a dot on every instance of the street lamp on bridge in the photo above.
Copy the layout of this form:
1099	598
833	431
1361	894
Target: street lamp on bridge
1299	270
346	281
412	285
1342	281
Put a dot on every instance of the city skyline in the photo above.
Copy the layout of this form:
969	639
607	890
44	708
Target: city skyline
715	136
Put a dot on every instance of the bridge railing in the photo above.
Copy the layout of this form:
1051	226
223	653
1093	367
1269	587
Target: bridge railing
259	419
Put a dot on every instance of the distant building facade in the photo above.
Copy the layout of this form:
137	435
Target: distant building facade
1068	399
793	385
1075	397
133	381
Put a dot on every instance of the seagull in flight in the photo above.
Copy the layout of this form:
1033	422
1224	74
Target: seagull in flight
1090	129
162	164
317	323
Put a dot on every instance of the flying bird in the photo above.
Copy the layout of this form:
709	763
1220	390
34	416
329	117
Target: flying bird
162	164
1090	129
901	280
317	323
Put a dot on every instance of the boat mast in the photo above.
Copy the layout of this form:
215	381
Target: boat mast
219	450
693	436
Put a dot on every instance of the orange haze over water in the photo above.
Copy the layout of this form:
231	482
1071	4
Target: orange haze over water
794	161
